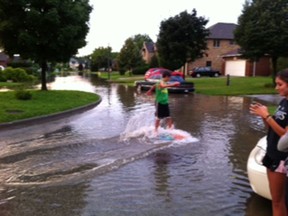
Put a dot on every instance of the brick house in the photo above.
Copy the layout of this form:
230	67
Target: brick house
4	59
234	65
219	42
222	54
148	51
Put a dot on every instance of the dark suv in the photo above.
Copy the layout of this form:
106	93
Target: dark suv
205	71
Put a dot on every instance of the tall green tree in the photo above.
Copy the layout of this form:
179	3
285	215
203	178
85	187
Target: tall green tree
263	30
44	30
101	58
181	38
139	40
129	56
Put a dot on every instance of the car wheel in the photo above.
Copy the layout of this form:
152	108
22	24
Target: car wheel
198	75
216	75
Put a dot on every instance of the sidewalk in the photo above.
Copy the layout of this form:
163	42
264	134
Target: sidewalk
274	99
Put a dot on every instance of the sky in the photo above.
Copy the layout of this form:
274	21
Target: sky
112	22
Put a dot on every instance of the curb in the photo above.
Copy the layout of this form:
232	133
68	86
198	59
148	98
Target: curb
50	117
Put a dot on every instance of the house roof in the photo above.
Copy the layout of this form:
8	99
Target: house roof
150	47
232	53
222	31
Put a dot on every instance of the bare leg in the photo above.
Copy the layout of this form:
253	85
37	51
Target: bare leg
157	123
277	183
170	123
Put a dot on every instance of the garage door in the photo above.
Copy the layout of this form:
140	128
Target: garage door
235	68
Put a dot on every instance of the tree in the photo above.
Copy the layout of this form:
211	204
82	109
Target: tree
140	39
181	38
129	56
263	30
45	31
101	58
154	62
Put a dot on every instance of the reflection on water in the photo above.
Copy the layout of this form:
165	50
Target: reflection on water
75	166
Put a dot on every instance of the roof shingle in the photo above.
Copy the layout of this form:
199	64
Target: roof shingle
222	31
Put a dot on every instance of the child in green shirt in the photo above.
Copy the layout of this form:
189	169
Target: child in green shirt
162	100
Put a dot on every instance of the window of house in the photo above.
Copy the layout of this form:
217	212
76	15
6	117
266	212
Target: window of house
216	43
208	63
232	42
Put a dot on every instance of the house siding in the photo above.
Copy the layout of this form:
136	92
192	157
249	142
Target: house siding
214	55
4	59
148	51
262	67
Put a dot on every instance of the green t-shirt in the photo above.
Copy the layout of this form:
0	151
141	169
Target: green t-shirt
161	94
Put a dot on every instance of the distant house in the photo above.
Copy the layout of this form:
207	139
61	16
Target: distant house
73	63
4	59
222	54
219	42
148	51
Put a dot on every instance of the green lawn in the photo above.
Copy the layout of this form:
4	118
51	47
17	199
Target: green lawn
8	84
117	78
238	85
211	85
42	103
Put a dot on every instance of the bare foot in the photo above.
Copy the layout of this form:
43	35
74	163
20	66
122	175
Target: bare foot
171	127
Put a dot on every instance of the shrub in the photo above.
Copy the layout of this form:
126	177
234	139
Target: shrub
20	75
140	70
8	73
122	71
16	75
22	94
2	76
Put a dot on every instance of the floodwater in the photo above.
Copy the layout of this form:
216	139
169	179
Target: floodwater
93	164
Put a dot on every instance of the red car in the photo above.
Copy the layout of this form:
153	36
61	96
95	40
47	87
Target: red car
153	75
156	74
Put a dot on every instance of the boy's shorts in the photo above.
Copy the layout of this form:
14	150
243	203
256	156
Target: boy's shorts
162	111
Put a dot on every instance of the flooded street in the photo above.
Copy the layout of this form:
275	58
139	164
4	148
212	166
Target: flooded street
82	166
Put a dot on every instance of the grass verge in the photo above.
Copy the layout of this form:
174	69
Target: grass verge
115	77
237	86
9	84
42	103
211	86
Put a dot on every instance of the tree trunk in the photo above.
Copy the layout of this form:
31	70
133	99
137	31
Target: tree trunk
43	76
274	68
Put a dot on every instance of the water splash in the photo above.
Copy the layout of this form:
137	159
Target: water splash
141	126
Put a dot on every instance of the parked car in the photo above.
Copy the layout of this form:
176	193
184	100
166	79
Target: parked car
256	171
153	75
156	73
204	71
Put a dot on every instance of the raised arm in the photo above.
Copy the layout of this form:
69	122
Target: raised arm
262	111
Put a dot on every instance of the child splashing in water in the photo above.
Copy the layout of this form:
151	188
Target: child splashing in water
162	100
